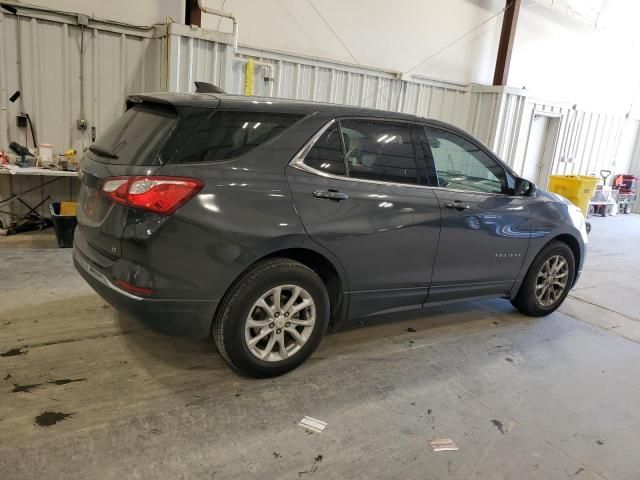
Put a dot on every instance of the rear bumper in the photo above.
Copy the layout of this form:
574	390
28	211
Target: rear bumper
173	316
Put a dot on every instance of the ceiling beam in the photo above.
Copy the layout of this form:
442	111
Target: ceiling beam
192	14
507	39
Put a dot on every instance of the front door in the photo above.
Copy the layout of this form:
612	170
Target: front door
359	194
485	228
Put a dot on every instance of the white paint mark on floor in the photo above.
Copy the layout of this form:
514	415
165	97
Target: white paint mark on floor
443	445
313	424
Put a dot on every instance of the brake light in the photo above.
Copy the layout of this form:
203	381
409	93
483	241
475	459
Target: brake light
155	194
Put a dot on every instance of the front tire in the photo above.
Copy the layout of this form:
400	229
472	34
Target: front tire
547	282
272	319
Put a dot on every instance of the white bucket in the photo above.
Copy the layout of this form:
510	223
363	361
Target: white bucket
45	154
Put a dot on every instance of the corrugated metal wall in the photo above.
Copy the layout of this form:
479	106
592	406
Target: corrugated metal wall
116	63
587	142
121	60
40	55
126	61
334	83
198	55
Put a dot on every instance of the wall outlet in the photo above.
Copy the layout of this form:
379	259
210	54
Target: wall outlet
21	121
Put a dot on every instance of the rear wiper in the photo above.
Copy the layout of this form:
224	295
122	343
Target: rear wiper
103	152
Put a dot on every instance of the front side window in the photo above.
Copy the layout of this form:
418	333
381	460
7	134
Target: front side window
461	165
379	150
205	135
326	154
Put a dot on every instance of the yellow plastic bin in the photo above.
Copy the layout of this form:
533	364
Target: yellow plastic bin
578	189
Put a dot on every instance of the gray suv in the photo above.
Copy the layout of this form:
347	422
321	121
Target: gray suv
264	222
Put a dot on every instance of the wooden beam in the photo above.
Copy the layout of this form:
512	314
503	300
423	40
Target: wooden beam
507	39
193	14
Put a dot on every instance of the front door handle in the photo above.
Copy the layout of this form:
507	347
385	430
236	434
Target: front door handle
330	194
458	205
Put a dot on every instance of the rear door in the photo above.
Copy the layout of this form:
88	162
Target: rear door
128	147
485	228
358	187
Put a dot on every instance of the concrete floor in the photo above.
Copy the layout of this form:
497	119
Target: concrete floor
88	393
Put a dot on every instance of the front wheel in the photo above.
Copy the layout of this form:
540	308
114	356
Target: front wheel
272	319
547	282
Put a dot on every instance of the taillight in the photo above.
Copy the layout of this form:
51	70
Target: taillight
156	194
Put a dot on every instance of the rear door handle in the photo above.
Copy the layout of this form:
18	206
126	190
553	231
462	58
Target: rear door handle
330	194
458	205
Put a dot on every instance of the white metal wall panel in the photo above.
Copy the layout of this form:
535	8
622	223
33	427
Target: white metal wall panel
587	141
47	53
297	80
196	59
120	61
115	65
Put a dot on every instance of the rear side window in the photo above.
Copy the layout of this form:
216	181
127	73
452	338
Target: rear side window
379	150
137	136
208	136
326	154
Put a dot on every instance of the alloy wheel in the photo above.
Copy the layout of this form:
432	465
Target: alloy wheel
551	281
280	323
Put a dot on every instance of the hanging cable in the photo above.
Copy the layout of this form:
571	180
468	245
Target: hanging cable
449	45
335	34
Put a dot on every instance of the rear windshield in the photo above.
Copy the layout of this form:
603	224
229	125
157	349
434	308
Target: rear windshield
136	137
214	135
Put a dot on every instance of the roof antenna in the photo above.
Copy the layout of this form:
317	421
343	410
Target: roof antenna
204	87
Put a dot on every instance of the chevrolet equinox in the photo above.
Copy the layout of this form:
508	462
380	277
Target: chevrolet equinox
262	223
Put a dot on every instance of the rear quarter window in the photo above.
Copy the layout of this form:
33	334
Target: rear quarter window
215	135
137	136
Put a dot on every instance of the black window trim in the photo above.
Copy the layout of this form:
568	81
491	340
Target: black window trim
298	159
431	167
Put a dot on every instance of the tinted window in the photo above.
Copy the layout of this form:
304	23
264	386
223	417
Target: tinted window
136	137
378	150
210	135
326	154
461	165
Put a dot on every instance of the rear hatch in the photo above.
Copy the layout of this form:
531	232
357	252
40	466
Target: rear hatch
129	147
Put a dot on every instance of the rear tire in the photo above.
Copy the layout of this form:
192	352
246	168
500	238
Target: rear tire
272	319
547	282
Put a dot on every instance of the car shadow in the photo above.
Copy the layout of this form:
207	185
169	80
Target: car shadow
157	349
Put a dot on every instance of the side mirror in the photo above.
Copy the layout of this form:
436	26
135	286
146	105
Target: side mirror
523	187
